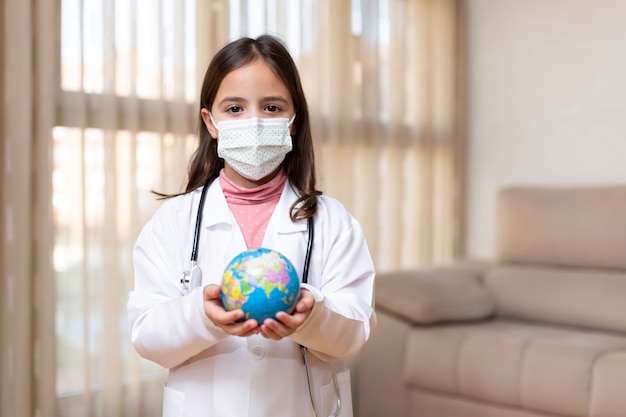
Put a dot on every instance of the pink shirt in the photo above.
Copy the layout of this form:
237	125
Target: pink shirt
253	207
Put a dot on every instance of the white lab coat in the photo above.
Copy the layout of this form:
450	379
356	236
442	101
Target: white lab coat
217	375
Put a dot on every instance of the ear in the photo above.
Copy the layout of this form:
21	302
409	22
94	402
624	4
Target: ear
208	123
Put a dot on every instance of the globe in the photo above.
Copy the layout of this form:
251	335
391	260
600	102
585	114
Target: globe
261	282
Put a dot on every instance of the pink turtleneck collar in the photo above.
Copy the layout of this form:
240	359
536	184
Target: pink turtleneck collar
253	207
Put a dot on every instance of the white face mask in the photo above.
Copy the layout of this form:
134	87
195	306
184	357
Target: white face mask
254	147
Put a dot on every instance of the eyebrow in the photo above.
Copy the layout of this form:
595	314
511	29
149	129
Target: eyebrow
275	98
232	100
235	99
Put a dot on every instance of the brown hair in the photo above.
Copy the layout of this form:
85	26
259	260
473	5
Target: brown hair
299	164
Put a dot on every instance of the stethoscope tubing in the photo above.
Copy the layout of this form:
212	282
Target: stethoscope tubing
196	233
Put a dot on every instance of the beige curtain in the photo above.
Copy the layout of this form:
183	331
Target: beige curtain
27	288
126	119
391	125
99	107
384	80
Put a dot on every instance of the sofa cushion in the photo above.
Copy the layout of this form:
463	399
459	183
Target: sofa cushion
608	398
435	294
579	227
545	369
432	404
576	297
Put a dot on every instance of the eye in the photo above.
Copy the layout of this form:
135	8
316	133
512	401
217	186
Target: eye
272	108
234	109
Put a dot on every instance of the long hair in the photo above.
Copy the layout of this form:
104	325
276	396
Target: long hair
299	164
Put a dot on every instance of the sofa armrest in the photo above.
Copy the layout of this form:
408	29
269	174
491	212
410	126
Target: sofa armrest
427	295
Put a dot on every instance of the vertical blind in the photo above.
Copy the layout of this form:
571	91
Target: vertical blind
126	126
384	81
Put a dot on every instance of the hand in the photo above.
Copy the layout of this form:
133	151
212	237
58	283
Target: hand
285	324
226	320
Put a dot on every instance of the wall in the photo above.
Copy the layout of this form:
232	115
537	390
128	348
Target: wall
547	100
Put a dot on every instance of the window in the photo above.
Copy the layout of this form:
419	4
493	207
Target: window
126	126
382	85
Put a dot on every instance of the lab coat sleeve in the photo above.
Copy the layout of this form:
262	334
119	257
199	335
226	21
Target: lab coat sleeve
166	326
343	315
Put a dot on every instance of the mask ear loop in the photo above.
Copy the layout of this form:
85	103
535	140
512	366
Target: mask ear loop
213	121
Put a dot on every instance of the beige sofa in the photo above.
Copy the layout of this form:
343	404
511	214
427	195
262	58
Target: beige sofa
540	331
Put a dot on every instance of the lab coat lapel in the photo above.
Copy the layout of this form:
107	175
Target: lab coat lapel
219	219
228	237
280	222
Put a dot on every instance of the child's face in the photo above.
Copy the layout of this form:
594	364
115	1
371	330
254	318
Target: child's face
250	91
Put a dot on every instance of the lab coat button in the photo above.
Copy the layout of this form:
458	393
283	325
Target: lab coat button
258	352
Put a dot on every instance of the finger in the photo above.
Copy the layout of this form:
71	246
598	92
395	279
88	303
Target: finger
244	328
277	328
305	303
221	316
292	321
254	331
269	333
211	292
216	312
285	318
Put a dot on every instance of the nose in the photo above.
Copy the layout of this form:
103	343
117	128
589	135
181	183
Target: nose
256	112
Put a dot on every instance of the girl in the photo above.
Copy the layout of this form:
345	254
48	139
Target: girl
251	183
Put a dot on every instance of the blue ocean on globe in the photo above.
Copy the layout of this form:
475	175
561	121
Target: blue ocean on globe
261	282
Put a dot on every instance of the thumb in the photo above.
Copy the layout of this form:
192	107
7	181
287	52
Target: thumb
211	292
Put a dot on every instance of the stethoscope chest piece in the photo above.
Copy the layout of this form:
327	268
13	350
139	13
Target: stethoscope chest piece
191	278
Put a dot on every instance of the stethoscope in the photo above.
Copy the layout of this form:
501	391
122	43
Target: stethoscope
192	278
